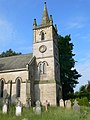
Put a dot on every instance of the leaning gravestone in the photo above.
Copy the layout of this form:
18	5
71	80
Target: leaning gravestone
61	102
18	109
76	107
68	104
5	108
38	107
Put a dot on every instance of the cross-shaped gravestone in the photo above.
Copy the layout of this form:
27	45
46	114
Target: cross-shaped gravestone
46	105
38	107
76	107
37	103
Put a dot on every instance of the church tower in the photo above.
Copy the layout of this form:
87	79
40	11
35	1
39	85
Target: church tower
47	70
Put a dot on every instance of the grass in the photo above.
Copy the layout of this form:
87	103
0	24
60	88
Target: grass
53	113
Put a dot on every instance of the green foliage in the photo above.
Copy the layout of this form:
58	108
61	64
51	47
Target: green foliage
81	95
88	88
85	88
83	101
8	53
82	88
84	91
69	76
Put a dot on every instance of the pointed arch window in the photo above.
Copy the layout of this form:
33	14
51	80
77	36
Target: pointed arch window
1	88
18	85
42	35
10	88
44	68
40	68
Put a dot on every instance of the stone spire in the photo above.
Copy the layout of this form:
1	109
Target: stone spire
45	18
51	20
34	23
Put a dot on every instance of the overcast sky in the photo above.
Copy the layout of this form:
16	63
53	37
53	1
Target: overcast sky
71	16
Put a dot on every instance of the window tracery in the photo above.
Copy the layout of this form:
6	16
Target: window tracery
43	67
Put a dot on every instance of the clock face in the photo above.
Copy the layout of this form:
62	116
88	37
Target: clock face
42	48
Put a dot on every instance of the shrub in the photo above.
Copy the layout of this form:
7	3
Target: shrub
83	101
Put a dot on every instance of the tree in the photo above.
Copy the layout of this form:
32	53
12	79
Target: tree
82	89
8	53
85	88
68	75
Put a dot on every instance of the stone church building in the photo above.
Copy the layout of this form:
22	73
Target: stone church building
34	76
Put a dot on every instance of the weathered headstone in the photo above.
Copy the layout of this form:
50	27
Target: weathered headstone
28	103
38	107
18	109
5	108
76	107
68	104
61	102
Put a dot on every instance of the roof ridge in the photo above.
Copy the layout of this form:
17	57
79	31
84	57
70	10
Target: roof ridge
15	62
15	55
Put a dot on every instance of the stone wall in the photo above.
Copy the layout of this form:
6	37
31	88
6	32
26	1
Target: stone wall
48	33
12	76
45	92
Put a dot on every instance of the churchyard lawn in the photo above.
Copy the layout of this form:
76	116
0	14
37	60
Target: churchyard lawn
53	113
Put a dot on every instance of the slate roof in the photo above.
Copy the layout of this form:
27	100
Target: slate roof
15	62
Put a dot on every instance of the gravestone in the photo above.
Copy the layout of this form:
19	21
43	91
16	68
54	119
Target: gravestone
7	101
5	108
38	107
68	104
46	105
61	102
18	109
28	103
76	107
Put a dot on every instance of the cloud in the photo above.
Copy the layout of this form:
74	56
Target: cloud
76	22
7	32
84	69
86	37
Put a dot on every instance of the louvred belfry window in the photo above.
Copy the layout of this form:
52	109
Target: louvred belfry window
42	35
